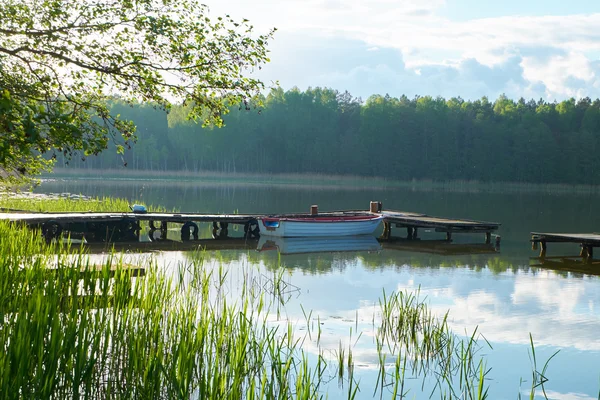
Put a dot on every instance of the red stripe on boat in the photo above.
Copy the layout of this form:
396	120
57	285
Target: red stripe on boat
352	218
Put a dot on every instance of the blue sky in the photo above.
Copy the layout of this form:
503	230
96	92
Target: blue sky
533	49
461	10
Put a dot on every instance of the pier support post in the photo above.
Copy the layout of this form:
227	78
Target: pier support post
51	230
220	230
188	230
224	229
164	227
409	232
488	237
534	243
387	230
251	229
415	235
542	249
449	236
587	252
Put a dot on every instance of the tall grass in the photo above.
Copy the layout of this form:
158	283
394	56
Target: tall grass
72	332
423	345
58	204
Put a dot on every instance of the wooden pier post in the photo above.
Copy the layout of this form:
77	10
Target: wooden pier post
587	252
542	249
220	230
375	207
488	237
387	230
534	243
224	229
51	230
164	228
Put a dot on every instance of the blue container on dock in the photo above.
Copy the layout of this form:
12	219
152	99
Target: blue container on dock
139	209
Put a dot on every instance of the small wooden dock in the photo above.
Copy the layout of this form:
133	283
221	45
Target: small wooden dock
587	242
413	222
122	227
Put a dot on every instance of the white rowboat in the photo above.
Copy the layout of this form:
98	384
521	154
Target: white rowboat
319	226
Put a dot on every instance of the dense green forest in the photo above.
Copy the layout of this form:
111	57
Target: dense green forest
328	132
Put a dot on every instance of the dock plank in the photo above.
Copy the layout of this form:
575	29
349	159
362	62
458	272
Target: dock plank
33	218
426	221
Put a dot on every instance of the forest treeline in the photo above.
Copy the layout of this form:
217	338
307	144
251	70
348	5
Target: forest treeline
328	132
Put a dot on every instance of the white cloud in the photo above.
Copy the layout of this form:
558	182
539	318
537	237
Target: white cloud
567	396
555	53
559	72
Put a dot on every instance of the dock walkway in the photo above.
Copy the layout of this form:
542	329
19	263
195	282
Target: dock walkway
126	226
119	226
36	218
413	222
587	241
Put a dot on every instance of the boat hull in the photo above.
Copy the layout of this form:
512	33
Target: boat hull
319	226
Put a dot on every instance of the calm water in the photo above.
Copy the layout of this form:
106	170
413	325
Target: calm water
499	293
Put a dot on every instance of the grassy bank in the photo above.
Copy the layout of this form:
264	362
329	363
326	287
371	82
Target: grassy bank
44	203
75	329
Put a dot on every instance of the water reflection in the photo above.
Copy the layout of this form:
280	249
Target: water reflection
561	312
566	266
500	293
302	245
439	247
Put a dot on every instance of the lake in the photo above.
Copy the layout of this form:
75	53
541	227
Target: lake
498	293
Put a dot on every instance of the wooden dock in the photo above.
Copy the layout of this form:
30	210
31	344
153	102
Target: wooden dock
114	227
413	222
587	242
119	227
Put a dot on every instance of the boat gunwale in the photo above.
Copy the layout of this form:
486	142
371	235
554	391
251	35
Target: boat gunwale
324	219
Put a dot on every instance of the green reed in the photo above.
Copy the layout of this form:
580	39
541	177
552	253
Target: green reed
425	346
73	330
538	378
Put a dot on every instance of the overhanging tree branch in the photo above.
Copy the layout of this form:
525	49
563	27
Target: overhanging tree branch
61	61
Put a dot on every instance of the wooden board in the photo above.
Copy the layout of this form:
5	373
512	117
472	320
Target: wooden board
40	218
442	224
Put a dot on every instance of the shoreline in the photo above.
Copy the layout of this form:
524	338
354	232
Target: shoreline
312	180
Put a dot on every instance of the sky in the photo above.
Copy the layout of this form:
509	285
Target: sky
536	49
